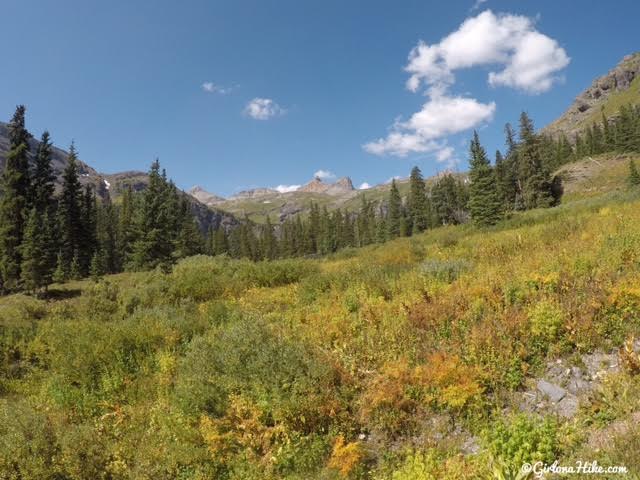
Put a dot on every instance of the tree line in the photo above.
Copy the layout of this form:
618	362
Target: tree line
52	237
48	236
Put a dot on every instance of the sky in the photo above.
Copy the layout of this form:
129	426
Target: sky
238	94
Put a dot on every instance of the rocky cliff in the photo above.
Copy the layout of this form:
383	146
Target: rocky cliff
605	95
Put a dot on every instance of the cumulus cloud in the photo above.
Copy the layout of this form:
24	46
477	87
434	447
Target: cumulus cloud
324	174
286	188
364	186
440	116
525	59
263	109
210	87
530	60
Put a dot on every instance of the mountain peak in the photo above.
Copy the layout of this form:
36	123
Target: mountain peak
203	196
317	185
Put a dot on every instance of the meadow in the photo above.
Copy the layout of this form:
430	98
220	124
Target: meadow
404	361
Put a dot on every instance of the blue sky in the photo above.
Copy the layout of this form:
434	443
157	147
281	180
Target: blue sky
238	94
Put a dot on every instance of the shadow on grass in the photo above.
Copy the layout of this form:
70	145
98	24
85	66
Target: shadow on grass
60	293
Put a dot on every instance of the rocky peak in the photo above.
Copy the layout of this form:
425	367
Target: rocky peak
342	185
204	196
588	106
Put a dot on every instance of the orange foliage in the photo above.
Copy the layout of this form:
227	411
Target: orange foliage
345	457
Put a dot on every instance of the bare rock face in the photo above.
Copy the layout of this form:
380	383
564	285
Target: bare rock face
253	193
205	197
342	185
589	102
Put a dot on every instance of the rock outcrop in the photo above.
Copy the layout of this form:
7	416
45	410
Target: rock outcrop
588	105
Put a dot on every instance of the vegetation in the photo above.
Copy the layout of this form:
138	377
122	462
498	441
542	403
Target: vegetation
380	362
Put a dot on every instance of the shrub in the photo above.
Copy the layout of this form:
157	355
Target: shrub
546	320
522	439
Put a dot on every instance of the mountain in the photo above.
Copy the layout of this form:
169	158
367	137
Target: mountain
205	197
606	94
341	186
115	183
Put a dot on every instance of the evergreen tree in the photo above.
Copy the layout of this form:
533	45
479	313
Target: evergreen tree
97	267
107	235
534	177
70	211
87	241
43	177
154	245
394	213
126	234
75	271
220	242
634	176
484	202
35	270
189	240
269	242
14	201
416	202
60	274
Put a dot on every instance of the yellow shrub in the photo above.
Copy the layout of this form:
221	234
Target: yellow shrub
345	457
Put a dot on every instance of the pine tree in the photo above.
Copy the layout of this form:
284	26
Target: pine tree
69	211
35	272
269	242
484	202
394	213
60	274
43	177
533	176
107	235
155	227
97	267
87	242
189	240
220	241
634	176
416	202
14	202
75	271
126	234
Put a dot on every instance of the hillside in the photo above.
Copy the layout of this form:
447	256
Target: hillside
607	94
408	360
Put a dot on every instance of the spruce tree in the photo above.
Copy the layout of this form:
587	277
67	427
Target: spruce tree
394	213
484	202
35	270
60	274
107	235
14	202
416	202
154	244
533	176
220	241
70	211
126	234
269	242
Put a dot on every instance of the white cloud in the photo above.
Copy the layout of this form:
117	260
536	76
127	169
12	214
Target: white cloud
324	174
287	188
440	116
477	5
364	186
527	60
445	155
530	60
211	87
263	109
395	177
